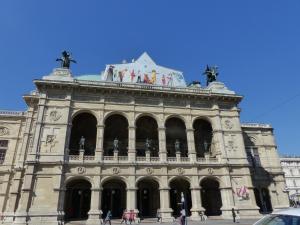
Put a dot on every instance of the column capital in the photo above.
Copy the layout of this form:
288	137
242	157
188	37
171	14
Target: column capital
131	127
100	126
161	128
189	129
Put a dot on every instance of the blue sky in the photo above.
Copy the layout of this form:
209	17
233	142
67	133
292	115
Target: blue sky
254	43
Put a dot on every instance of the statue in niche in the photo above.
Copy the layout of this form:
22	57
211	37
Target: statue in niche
81	142
211	73
148	144
66	60
177	145
116	144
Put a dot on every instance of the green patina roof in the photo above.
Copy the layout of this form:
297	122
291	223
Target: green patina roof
92	77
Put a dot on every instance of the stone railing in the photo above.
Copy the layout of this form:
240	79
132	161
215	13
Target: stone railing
11	113
208	160
256	125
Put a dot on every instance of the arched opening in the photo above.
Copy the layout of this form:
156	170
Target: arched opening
116	128
83	125
176	133
203	136
77	200
211	197
178	186
148	199
146	131
114	197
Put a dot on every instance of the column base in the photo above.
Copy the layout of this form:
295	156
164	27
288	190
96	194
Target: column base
166	215
195	214
44	217
20	218
95	217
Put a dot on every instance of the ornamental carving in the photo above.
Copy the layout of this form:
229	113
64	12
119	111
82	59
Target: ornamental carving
180	170
4	131
228	124
149	170
50	139
55	115
116	170
210	171
81	170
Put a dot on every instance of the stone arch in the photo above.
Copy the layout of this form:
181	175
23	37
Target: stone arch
146	131
218	179
111	113
115	127
176	133
203	136
84	124
139	115
113	196
77	199
148	196
206	118
179	177
175	116
73	178
211	196
108	178
79	111
155	178
179	185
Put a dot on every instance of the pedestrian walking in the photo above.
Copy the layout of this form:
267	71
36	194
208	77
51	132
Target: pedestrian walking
237	219
158	216
124	218
233	214
108	218
182	216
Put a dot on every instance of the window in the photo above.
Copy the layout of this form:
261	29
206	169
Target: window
3	148
253	156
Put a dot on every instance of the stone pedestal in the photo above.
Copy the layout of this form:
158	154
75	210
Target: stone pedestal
62	74
178	156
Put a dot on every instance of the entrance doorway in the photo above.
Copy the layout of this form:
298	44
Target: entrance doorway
179	186
78	199
114	198
148	200
211	197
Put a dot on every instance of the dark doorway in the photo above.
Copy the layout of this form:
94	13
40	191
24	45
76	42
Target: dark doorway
202	136
114	198
78	199
148	199
178	186
146	127
211	197
175	130
116	126
263	201
84	124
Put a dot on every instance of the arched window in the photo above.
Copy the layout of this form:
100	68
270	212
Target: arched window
176	133
203	137
116	128
84	127
146	131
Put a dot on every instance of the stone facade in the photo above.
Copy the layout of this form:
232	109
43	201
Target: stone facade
291	169
43	179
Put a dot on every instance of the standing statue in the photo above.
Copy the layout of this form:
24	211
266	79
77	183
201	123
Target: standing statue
116	144
148	144
211	73
66	60
81	142
177	145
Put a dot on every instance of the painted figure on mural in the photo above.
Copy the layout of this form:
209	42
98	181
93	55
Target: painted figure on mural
110	73
153	77
132	75
139	79
163	80
146	79
169	80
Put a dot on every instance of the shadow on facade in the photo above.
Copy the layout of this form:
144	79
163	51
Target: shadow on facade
203	136
116	127
178	186
77	200
114	197
83	125
175	130
146	128
211	197
148	199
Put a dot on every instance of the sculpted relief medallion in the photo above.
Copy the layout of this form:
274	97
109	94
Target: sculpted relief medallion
180	170
4	131
228	124
149	170
55	115
116	170
81	170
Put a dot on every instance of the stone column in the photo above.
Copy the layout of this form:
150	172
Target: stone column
99	143
95	212
131	198
131	144
191	144
165	210
162	144
227	202
196	203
